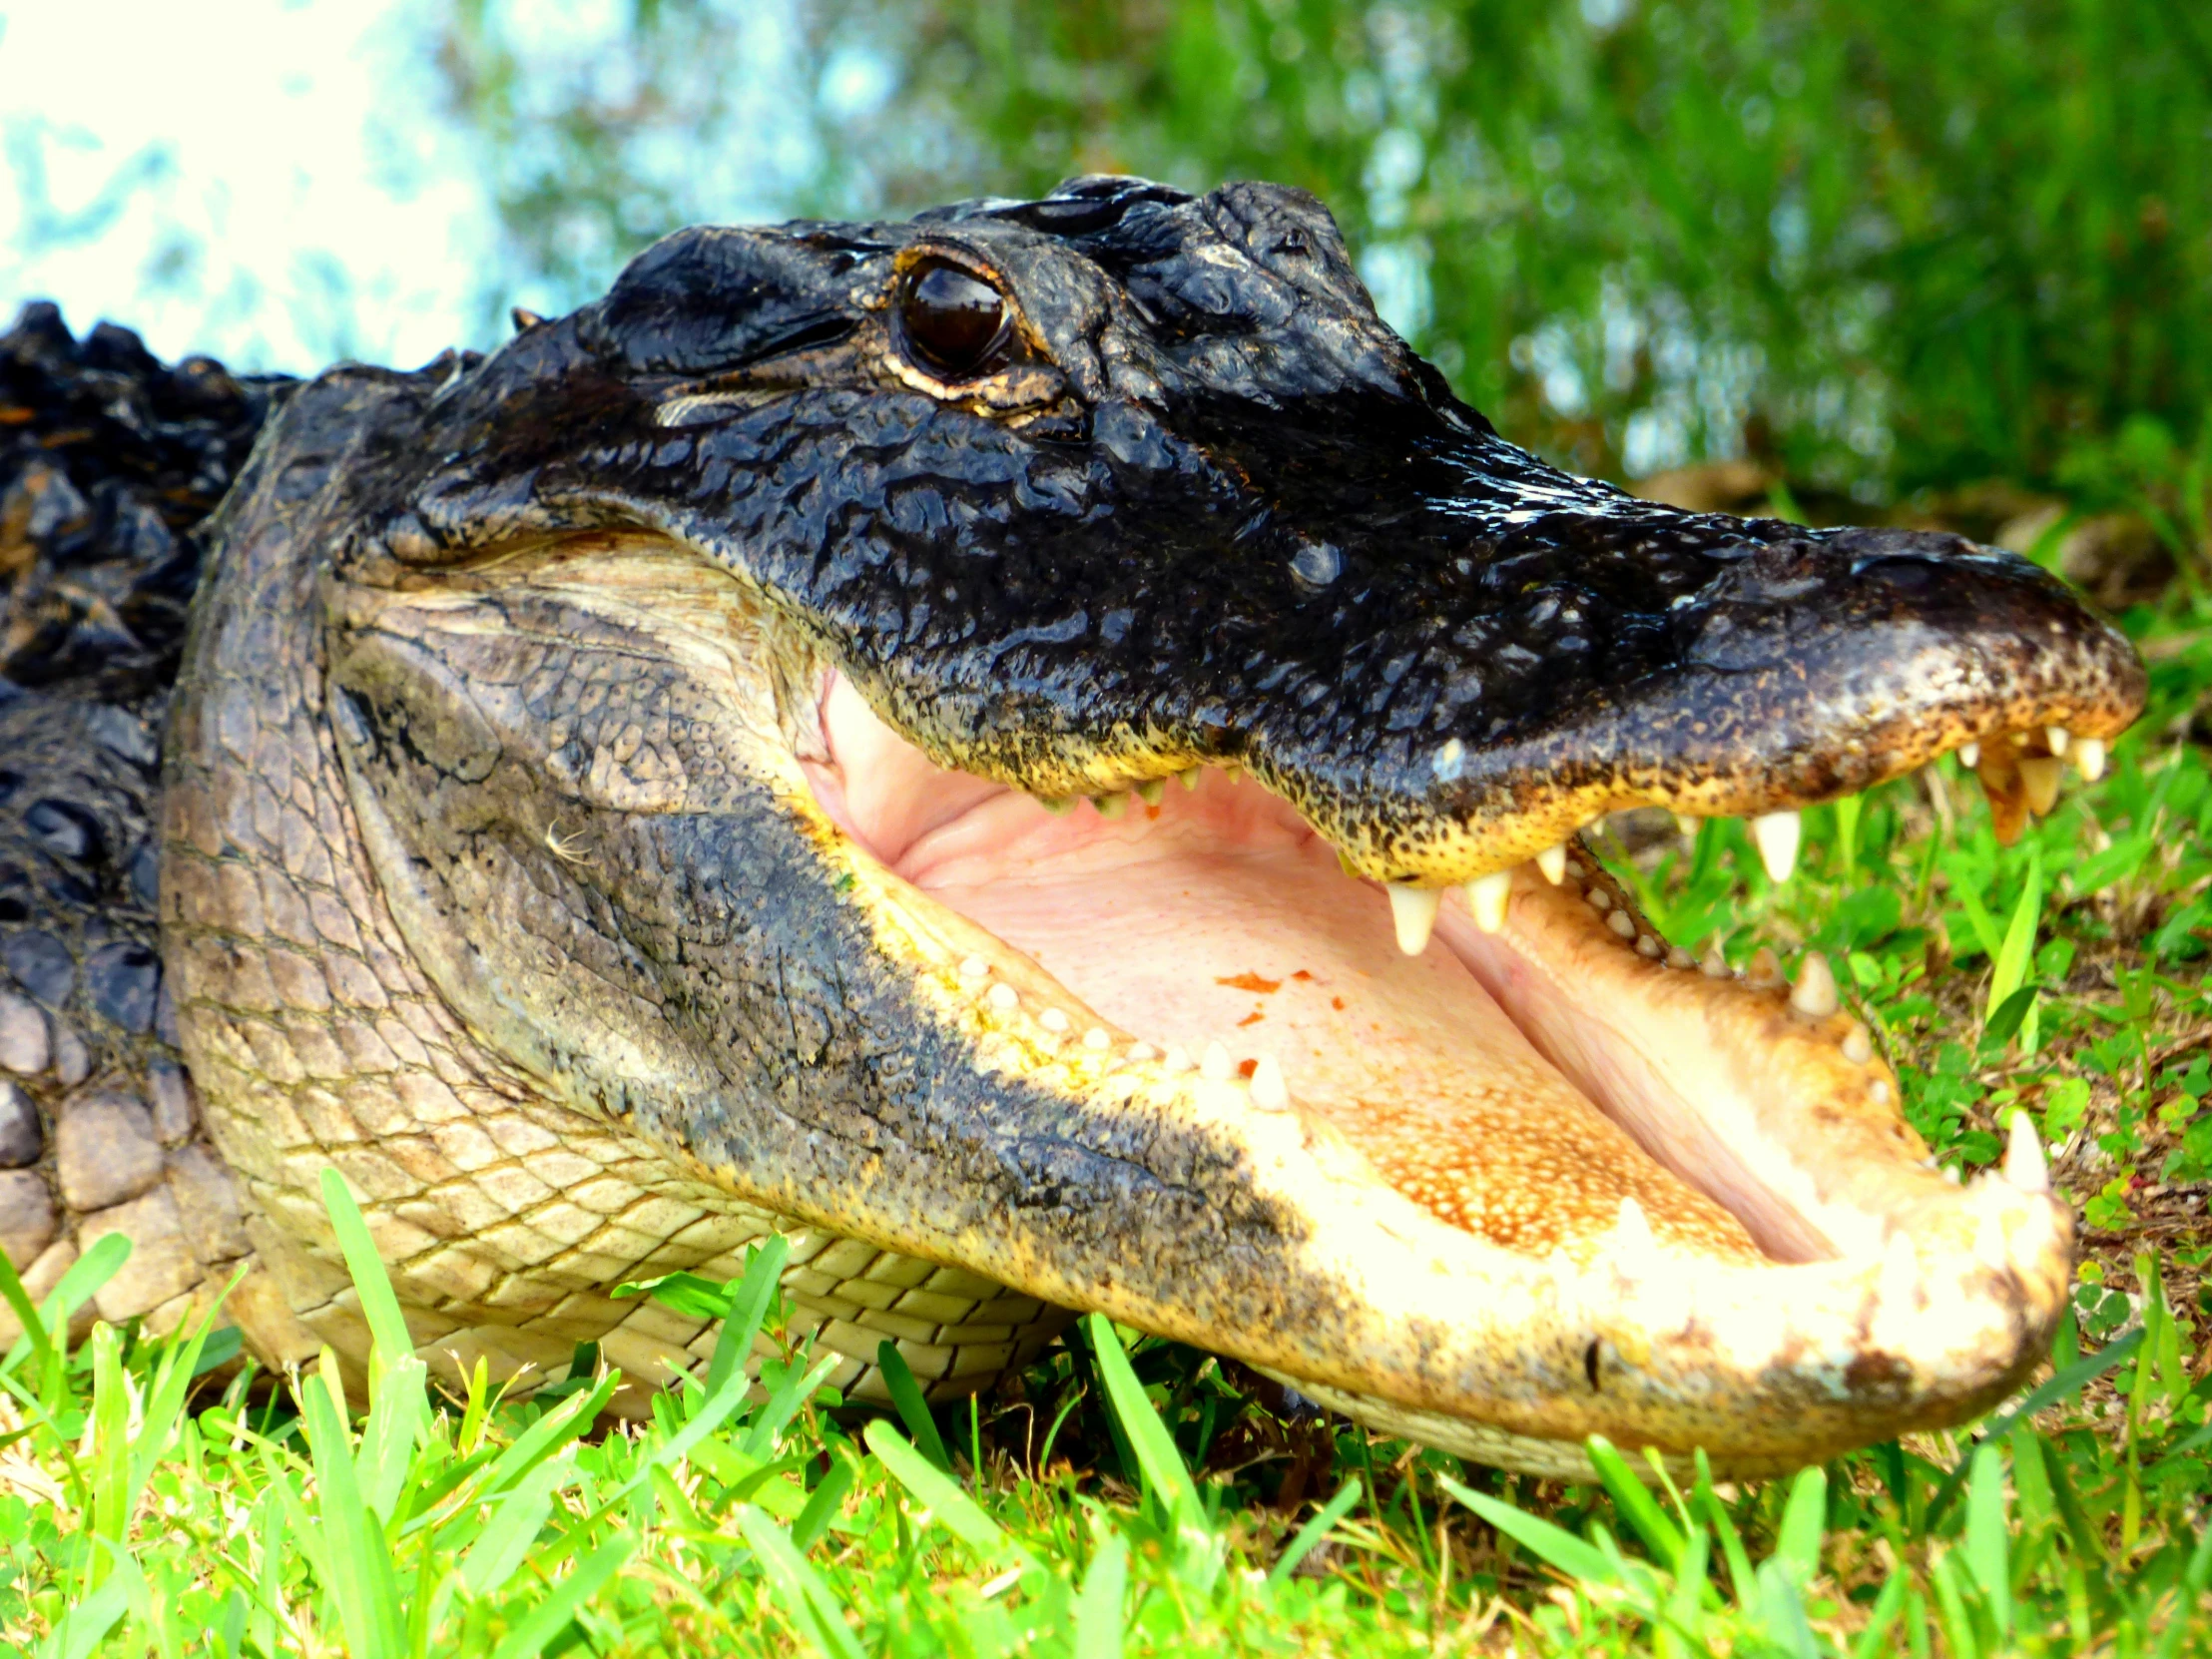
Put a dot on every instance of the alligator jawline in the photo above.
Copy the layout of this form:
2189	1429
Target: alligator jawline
1569	1088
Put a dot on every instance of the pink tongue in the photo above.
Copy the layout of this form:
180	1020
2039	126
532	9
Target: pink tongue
1266	948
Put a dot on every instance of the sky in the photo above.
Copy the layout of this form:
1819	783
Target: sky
280	192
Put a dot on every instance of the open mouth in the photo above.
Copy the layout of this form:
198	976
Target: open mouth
1525	1059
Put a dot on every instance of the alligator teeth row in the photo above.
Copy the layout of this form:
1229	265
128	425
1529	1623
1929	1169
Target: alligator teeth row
2014	776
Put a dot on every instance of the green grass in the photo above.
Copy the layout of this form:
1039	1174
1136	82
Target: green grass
1132	1496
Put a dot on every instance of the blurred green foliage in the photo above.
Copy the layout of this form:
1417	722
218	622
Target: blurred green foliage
1885	244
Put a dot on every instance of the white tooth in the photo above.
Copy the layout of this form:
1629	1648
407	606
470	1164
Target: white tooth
2089	756
1988	1239
1715	965
1141	1051
2023	1157
1059	806
1951	1174
1552	860
1054	1020
1969	756
2039	776
1232	774
1857	1046
1178	1059
1414	912
1879	1091
1649	947
1813	995
1631	1240
1002	997
1268	1090
1778	834
1110	806
1487	897
1151	790
2056	736
1097	1040
1763	971
1214	1066
1599	899
975	969
1686	824
1677	957
1622	923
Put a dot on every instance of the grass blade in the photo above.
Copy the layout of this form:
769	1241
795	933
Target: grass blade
1987	1559
783	1405
2194	1578
938	1492
1553	1546
1702	1496
764	1270
913	1409
70	1292
387	1329
1870	1642
1636	1505
1098	1605
806	1595
1797	1543
2009	970
549	1617
360	1571
19	1300
823	1505
1311	1533
1164	1474
513	1526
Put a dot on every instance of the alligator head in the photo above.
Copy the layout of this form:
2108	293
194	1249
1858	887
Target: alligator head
1045	738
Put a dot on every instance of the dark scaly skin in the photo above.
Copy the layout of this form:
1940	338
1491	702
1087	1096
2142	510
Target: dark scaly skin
449	905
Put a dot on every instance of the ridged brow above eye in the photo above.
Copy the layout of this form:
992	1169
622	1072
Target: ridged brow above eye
953	321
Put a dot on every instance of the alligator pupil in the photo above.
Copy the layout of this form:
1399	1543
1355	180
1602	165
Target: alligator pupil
953	320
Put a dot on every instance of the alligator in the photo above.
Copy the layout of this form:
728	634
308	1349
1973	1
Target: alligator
1037	751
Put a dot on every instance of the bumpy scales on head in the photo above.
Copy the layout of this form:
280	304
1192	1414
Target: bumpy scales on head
668	744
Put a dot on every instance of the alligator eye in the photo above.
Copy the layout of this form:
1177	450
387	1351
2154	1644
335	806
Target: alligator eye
956	322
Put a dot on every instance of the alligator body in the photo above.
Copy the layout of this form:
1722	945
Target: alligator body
1038	750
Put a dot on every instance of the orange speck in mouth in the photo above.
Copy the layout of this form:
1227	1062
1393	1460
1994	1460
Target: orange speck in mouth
1251	983
1253	1018
1244	1068
1302	978
1337	1004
